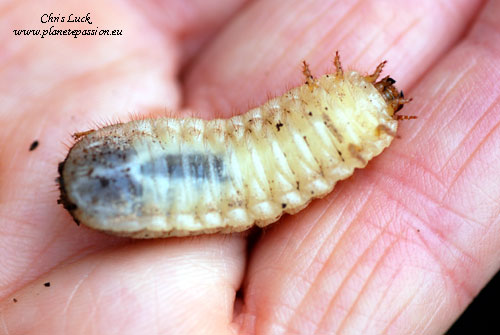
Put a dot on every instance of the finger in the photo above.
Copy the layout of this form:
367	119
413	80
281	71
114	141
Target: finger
181	286
192	23
404	245
260	54
310	239
58	85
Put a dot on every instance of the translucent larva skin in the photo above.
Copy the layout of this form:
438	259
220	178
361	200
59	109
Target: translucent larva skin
175	177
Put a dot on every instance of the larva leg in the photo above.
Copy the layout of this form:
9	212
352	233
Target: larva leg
405	117
381	128
374	76
310	81
339	71
355	150
398	103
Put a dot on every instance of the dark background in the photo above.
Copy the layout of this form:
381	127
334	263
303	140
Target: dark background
482	313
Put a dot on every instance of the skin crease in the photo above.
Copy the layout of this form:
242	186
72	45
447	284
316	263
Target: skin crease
402	247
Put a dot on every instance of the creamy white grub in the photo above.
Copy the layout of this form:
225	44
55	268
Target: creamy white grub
174	177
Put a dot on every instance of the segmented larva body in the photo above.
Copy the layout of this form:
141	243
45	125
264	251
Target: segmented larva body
175	177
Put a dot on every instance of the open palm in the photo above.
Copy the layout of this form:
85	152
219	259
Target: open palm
399	248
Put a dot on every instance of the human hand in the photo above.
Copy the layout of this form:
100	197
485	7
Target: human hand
401	247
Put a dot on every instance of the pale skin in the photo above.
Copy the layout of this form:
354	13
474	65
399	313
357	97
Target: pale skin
402	247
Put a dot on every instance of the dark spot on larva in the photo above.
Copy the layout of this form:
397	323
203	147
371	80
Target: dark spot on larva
47	284
283	205
326	108
15	300
104	182
34	145
298	186
310	114
279	125
329	124
340	155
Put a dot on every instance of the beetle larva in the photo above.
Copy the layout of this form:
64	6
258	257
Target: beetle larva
174	177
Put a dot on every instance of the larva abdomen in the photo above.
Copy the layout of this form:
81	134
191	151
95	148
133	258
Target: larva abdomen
174	177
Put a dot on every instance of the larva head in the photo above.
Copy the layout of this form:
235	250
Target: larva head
392	96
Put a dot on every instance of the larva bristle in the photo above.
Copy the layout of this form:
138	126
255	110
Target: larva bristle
405	117
79	135
309	77
374	76
338	66
174	177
